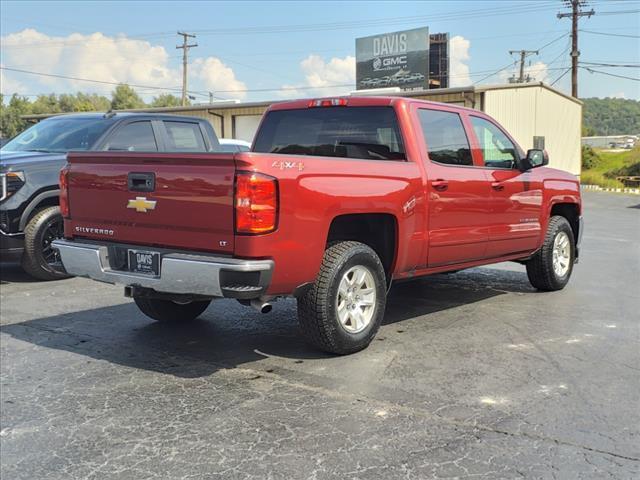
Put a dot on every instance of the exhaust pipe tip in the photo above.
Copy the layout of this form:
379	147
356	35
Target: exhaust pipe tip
260	306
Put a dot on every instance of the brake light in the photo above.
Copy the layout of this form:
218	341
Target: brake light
256	203
328	102
64	192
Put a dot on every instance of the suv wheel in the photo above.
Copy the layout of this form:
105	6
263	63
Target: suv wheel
343	310
550	268
170	311
40	259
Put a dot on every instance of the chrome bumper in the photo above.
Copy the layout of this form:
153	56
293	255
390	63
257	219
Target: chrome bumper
179	272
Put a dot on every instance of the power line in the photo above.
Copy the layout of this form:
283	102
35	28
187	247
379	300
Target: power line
618	12
610	34
445	16
560	77
612	65
513	63
591	70
65	77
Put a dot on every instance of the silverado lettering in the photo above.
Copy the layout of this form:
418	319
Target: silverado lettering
390	189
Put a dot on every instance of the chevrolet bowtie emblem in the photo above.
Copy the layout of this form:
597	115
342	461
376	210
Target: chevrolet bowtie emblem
141	204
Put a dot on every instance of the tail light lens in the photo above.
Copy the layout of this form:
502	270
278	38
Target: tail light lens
256	203
64	192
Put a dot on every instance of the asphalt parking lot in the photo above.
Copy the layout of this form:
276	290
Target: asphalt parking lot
474	374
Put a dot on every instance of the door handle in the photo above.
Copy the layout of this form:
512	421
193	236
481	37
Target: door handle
440	185
497	186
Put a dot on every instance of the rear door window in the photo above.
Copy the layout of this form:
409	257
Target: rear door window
184	137
133	137
445	137
370	133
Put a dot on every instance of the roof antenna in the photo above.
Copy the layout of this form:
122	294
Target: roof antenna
110	114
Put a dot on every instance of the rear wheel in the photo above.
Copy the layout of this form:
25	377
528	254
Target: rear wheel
40	259
170	311
343	310
550	268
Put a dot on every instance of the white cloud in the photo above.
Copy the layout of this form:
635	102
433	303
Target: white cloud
216	76
537	72
458	55
100	57
321	74
8	85
619	95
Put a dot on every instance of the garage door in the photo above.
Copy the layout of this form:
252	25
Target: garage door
245	126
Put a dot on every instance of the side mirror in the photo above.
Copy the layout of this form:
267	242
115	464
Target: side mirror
535	158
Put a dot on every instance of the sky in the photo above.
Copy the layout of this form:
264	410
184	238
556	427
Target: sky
254	51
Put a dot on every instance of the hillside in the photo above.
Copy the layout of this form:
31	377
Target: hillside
610	116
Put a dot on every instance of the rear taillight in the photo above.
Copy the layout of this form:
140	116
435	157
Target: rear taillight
256	203
64	192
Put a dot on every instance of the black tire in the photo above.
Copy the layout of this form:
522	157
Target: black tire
540	267
168	311
317	311
39	259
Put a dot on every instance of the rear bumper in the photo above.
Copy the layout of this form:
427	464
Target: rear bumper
180	273
11	246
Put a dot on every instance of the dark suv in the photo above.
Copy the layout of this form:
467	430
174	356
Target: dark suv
30	164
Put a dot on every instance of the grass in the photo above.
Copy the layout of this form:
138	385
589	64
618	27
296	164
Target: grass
591	177
608	162
615	160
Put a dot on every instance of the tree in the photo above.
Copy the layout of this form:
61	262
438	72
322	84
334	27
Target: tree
124	97
46	104
83	102
611	116
166	100
590	158
10	122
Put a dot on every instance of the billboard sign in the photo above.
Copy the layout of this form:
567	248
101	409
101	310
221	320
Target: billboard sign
398	59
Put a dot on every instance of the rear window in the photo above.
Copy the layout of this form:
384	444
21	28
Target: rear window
445	137
184	137
133	137
369	133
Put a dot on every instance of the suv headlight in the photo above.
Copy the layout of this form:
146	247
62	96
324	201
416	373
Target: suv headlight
11	183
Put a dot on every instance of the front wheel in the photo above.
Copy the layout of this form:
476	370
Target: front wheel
550	268
343	310
170	311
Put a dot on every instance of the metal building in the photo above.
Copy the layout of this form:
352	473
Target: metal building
533	113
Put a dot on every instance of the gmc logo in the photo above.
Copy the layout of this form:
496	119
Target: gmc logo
389	62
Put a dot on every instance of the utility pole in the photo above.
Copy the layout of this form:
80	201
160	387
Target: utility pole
575	14
523	55
210	97
185	49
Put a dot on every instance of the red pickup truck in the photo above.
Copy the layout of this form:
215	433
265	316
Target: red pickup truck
337	198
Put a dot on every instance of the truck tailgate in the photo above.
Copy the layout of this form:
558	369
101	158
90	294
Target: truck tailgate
170	200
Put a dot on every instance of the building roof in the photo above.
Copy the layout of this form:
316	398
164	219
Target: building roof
232	104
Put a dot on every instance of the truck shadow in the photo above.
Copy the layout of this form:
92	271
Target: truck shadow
229	335
11	272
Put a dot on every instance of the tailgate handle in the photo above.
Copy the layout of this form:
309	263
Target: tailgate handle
141	182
